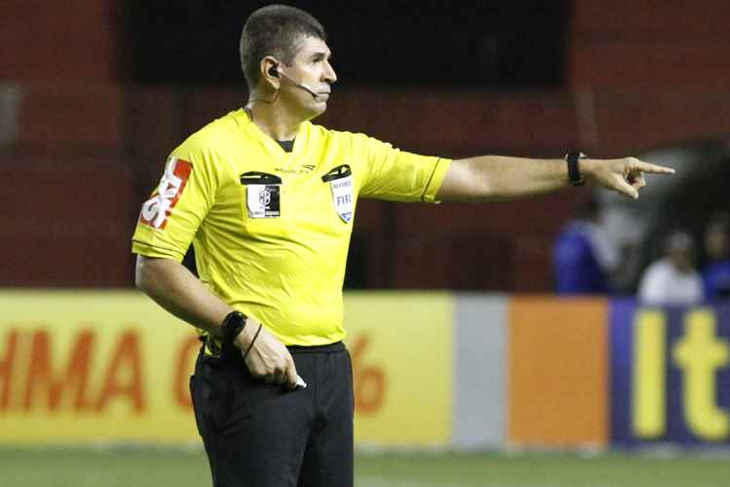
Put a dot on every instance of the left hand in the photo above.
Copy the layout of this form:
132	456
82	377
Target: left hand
625	176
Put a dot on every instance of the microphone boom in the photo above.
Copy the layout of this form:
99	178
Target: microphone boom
299	85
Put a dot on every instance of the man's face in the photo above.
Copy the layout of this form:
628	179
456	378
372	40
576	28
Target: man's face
311	67
681	258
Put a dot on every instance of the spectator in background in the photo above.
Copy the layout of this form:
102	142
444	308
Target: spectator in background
584	256
716	274
673	280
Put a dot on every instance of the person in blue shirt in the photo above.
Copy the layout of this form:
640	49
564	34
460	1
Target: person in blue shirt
584	257
716	274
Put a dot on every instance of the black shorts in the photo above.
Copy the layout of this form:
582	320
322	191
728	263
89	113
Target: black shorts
263	435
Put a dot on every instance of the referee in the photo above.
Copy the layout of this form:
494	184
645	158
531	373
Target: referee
268	200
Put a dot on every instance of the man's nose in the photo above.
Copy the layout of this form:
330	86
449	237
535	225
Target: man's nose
329	75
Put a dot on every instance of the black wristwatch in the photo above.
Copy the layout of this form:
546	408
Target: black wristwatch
233	324
574	175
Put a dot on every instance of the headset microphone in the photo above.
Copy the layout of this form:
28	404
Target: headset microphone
275	72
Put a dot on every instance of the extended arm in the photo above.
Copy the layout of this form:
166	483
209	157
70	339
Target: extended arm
488	178
177	290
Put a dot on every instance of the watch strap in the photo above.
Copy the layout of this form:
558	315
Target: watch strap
574	175
233	325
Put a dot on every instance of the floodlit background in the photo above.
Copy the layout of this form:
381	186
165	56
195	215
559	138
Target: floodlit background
469	369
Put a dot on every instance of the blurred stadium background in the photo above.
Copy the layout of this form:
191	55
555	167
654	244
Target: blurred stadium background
469	370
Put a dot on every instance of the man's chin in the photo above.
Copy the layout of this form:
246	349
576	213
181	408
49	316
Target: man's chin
317	109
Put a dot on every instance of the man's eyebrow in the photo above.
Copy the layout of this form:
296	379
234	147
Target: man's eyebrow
321	54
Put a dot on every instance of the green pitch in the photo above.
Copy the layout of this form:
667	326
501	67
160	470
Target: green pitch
148	467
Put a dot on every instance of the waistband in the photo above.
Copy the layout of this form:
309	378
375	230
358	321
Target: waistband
329	348
336	347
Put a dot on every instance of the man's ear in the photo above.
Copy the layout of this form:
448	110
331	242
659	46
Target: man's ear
270	71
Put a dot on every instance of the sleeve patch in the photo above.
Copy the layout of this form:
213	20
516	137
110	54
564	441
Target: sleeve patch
156	210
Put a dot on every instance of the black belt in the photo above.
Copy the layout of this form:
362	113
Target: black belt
329	348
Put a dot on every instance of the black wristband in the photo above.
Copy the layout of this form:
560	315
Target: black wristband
233	325
574	175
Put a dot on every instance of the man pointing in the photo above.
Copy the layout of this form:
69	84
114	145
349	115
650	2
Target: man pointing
268	200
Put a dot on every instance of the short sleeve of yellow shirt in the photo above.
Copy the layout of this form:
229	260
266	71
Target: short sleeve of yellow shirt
185	194
396	175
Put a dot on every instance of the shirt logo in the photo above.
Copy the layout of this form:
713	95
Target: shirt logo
263	200
303	169
342	197
263	194
340	181
156	210
265	197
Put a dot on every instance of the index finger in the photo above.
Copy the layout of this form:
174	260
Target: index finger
652	168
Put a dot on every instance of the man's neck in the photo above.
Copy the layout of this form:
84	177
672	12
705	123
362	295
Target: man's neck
273	120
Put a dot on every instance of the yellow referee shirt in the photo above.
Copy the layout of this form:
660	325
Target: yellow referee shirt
270	228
